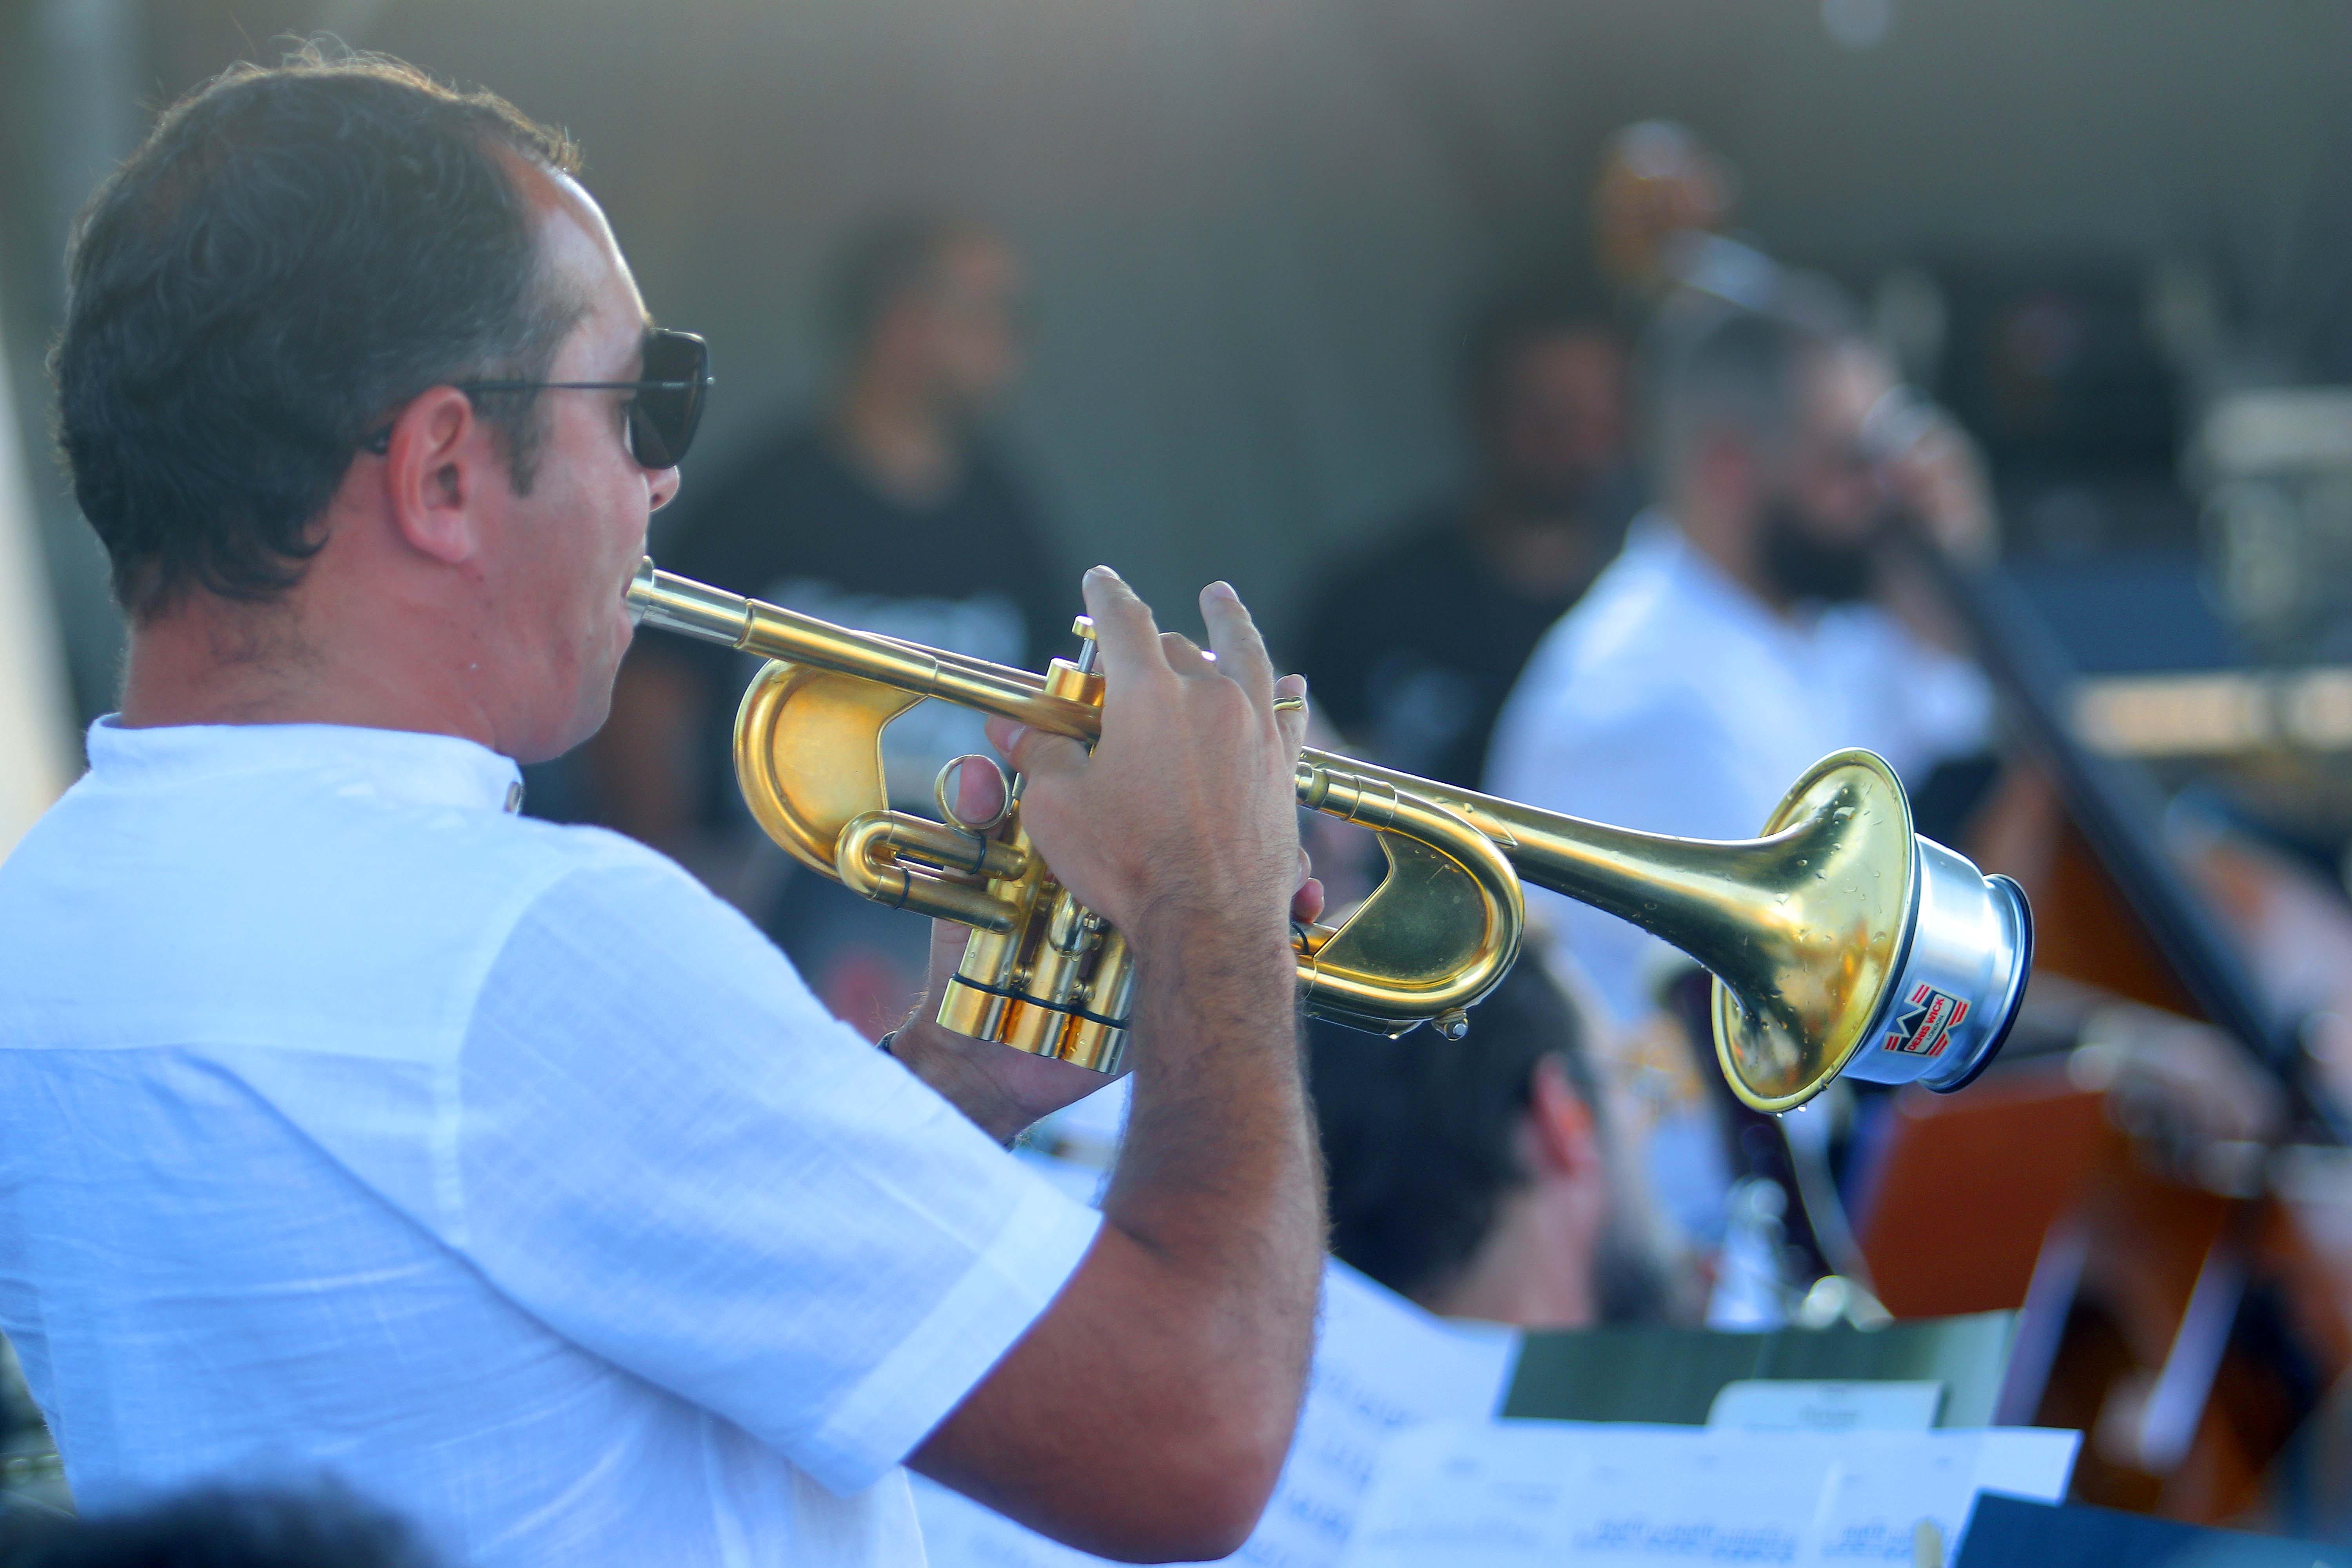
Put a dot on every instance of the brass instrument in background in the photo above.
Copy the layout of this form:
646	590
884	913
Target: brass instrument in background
1841	942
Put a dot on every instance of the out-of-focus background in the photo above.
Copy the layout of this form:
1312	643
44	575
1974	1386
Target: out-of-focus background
1243	250
1254	229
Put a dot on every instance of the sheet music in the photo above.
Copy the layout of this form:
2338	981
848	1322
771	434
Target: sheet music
1381	1365
1516	1494
1876	1495
1793	1404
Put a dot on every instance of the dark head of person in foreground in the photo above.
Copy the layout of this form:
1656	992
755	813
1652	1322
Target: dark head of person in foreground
293	258
220	1529
1477	1177
357	1069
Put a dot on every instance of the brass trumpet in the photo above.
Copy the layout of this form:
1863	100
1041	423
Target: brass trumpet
1840	940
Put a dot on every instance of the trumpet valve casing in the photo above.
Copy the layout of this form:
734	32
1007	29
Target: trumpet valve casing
1057	984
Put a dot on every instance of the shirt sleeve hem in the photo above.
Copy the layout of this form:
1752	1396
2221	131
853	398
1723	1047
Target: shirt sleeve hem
1005	1290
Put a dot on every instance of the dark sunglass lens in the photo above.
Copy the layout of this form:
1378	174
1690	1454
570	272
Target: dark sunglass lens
647	445
663	419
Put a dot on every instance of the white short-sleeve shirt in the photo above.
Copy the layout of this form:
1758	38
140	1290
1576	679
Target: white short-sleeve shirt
1672	700
351	1124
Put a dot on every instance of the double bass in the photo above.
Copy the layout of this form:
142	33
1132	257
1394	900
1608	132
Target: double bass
2187	1298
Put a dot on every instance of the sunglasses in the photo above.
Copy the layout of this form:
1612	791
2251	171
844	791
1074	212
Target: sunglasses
664	413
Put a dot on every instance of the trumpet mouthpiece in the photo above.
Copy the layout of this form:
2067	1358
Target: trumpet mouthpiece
675	603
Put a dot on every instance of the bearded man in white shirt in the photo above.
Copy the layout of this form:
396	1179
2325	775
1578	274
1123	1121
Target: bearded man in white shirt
1758	619
352	1124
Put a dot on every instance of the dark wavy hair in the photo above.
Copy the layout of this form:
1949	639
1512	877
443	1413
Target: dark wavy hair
1420	1140
293	253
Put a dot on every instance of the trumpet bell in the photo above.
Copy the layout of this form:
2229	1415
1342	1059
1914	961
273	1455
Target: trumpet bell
1858	948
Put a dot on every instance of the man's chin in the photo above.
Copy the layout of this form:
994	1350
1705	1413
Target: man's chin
595	708
556	743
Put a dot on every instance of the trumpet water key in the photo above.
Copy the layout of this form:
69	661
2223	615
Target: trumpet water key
1840	940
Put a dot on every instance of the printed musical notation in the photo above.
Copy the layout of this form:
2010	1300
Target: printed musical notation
1398	1463
1516	1494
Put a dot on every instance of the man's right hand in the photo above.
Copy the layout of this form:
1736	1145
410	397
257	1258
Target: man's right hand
1187	805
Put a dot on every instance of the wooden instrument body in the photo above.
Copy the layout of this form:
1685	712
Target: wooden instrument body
2186	1306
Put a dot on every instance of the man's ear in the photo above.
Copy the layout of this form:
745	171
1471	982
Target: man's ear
436	470
1565	1142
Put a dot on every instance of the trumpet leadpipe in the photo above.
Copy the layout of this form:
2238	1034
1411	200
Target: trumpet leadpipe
676	603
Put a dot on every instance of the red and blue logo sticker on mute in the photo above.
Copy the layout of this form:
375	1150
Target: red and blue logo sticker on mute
1922	1025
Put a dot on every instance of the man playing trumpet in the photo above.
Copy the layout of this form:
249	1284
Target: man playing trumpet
356	1125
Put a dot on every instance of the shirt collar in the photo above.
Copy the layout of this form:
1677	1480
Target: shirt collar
396	764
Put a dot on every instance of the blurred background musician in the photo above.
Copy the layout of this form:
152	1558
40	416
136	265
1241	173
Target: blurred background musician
1749	626
1661	202
892	510
1488	1180
1411	652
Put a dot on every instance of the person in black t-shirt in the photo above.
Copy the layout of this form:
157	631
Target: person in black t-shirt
1410	653
890	512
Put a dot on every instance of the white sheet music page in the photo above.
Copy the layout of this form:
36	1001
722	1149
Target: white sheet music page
1515	1494
1381	1366
1876	1493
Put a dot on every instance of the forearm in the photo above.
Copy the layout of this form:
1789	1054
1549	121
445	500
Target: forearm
1910	592
1191	1012
1150	1412
1217	1133
948	1067
1218	1175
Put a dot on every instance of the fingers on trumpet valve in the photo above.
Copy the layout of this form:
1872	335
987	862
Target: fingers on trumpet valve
1125	634
972	793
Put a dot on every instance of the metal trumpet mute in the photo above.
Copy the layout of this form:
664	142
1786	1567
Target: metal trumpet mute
1841	942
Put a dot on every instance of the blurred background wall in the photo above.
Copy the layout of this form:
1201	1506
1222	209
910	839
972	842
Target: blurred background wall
1255	226
34	736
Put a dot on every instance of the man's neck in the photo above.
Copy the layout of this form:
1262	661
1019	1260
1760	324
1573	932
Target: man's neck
207	660
1534	1270
895	434
1728	538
